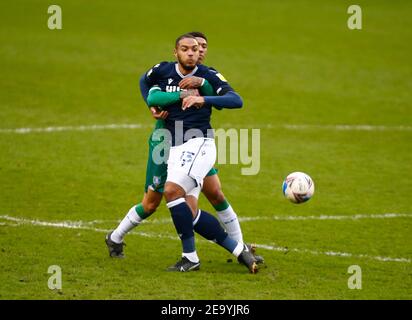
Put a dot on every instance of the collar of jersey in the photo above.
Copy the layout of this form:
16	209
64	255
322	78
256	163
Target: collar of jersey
184	76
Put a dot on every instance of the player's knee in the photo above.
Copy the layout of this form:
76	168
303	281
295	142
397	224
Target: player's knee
151	201
192	203
173	192
215	195
150	206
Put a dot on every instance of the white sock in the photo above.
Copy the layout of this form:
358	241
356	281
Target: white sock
131	220
192	256
231	224
238	250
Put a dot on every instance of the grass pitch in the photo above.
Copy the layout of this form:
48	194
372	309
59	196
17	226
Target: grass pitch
332	102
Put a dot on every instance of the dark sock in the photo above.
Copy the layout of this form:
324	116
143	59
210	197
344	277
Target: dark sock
209	227
183	221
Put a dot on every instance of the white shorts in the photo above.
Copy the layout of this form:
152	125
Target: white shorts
189	163
194	192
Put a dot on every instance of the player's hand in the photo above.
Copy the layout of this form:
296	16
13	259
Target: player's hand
191	83
189	92
158	114
193	101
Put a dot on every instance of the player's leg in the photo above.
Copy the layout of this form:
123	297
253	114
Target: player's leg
188	164
137	214
155	180
175	191
185	174
209	227
192	202
150	203
212	189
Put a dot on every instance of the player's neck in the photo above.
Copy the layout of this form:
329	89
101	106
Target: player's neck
183	70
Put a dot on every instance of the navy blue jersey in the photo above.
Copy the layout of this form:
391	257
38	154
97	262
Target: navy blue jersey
166	76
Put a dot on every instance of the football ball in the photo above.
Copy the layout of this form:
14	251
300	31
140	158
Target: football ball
298	187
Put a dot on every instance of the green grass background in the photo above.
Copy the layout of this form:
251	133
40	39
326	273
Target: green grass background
293	62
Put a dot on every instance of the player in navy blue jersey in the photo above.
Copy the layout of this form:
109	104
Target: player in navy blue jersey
167	77
212	187
193	151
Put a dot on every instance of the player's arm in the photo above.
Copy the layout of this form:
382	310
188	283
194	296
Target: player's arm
200	83
157	113
204	86
157	97
217	92
149	79
144	87
226	97
230	100
206	89
163	99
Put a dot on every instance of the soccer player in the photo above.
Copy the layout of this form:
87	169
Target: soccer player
156	176
193	151
212	188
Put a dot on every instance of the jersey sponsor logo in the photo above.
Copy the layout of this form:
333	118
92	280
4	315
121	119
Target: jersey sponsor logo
172	88
169	81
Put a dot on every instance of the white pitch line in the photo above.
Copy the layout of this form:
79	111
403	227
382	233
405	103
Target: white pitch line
93	127
339	127
329	217
303	218
81	225
86	226
133	126
334	254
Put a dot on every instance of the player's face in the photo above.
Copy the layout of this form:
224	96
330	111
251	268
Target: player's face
202	49
187	53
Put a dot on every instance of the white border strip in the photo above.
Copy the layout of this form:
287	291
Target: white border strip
87	226
96	127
